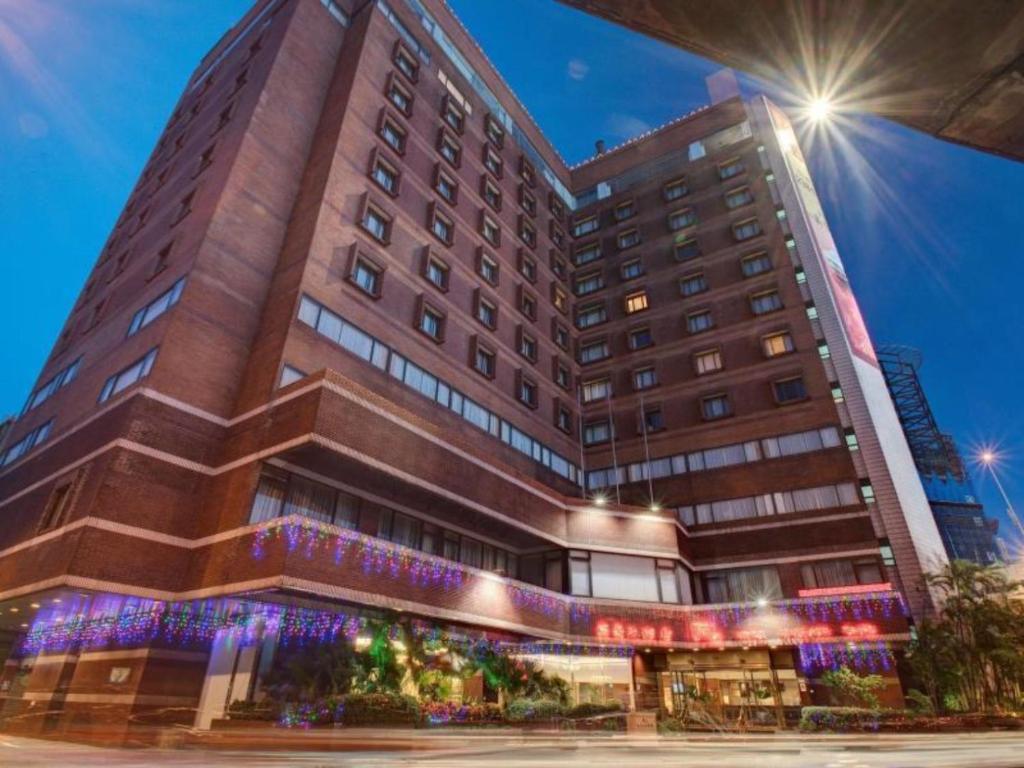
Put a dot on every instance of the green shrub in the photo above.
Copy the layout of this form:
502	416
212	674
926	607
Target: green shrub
593	709
840	719
526	710
375	709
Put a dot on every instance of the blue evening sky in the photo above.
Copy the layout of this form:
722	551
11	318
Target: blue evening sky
930	232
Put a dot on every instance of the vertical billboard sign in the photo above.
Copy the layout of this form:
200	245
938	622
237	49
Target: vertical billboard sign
846	304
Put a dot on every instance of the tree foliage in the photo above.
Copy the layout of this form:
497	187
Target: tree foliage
852	689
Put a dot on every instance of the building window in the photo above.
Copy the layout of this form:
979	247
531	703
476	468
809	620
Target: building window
715	407
453	115
867	491
763	303
486	312
675	190
812	311
775	344
595	390
490	193
399	96
823	351
682	219
653	419
436	271
366	275
699	322
431	322
640	338
393	134
487	267
563	377
691	285
527	391
560	335
636	302
707	361
591	315
385	174
130	375
745	230
527	345
837	393
840	573
585	226
527	303
26	444
526	171
596	432
446	186
406	62
628	239
626	210
58	506
563	418
492	162
146	315
789	390
527	266
851	439
560	299
527	232
442	226
290	375
185	206
586	253
588	283
592	351
686	250
66	375
556	234
495	133
731	168
490	230
376	223
631	269
484	361
527	200
737	198
755	264
558	266
449	148
555	206
644	378
801	276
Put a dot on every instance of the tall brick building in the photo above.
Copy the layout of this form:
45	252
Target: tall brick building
362	342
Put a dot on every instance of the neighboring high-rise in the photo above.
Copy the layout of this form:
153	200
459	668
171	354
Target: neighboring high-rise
966	532
362	343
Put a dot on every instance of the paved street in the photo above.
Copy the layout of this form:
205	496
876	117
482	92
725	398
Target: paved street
786	751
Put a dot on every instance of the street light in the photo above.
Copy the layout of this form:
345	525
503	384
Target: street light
820	109
989	459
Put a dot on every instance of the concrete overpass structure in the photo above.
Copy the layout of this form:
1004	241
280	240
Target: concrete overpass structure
950	68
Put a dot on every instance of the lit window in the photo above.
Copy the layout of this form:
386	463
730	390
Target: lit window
640	338
691	285
745	230
737	198
763	303
560	299
366	275
130	375
628	239
645	378
585	226
708	361
731	168
636	302
715	407
789	390
755	264
632	269
776	344
432	323
682	219
675	190
699	321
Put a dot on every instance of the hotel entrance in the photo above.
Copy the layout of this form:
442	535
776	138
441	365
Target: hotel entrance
733	690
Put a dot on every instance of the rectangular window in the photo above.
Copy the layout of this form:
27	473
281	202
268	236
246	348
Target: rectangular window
837	393
591	315
452	115
626	210
823	351
527	304
487	267
527	346
763	303
686	250
449	148
527	392
593	351
563	377
715	407
699	321
527	232
563	419
707	361
432	323
65	376
393	135
737	198
490	193
755	264
446	186
682	219
485	361
437	272
26	444
366	275
585	226
492	162
691	285
675	190
400	96
628	239
775	344
631	269
745	230
596	432
487	313
490	230
789	390
731	168
560	335
586	254
376	223
442	226
130	375
644	378
654	421
495	133
526	171
527	267
406	63
385	174
595	390
640	338
636	302
559	298
588	283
